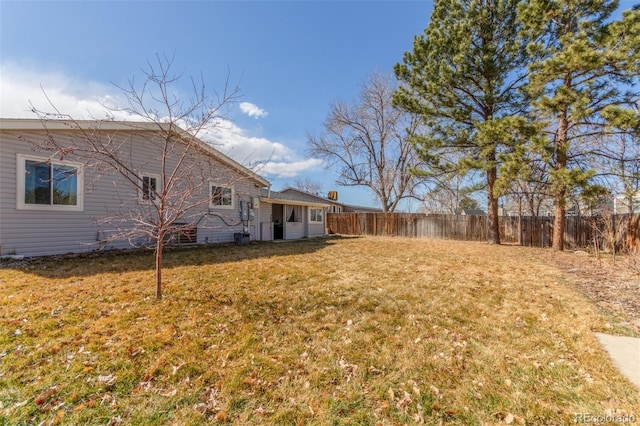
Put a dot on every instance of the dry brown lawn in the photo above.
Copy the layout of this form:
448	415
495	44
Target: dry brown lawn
342	331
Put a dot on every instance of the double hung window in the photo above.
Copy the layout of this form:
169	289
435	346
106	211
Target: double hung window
149	187
315	215
221	197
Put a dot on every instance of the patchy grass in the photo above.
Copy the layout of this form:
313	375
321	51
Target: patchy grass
333	331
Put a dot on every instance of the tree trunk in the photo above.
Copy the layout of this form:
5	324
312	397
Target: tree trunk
559	223
560	191
520	221
493	226
159	248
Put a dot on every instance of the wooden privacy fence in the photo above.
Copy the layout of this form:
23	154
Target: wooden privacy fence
580	232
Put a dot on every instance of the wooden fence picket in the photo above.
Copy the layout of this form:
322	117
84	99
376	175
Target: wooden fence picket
535	231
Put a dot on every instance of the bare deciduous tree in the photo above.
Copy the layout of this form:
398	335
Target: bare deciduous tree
448	190
171	128
616	158
368	140
308	185
527	185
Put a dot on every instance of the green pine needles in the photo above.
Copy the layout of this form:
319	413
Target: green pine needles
511	87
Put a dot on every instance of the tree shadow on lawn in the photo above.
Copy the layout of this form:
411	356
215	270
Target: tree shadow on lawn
98	262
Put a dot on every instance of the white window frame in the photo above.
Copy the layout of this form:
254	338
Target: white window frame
224	187
143	175
311	219
21	182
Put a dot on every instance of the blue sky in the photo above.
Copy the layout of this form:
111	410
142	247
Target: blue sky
291	59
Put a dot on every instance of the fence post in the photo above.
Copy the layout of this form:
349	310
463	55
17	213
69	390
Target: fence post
531	230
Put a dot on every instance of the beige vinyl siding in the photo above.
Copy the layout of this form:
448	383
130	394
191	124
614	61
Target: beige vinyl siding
264	222
294	230
265	212
7	193
35	233
315	229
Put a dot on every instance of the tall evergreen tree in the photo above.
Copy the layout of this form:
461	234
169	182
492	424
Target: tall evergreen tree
581	65
463	78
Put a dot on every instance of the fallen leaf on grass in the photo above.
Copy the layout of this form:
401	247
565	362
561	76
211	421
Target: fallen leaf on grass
210	403
58	417
84	405
374	370
154	369
550	407
107	398
133	352
349	369
170	393
21	404
416	390
392	395
116	420
44	396
108	379
262	412
142	387
174	368
404	401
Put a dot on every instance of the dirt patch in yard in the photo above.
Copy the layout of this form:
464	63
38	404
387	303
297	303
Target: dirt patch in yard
613	284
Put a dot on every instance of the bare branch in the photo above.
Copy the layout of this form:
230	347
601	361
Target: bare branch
164	142
368	140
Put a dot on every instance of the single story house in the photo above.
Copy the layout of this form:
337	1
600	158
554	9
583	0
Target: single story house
292	214
626	205
312	206
56	201
333	205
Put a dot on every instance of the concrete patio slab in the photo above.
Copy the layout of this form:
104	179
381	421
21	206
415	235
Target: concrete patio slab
625	353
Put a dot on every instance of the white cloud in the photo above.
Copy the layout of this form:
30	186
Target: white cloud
289	169
20	88
252	110
266	157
